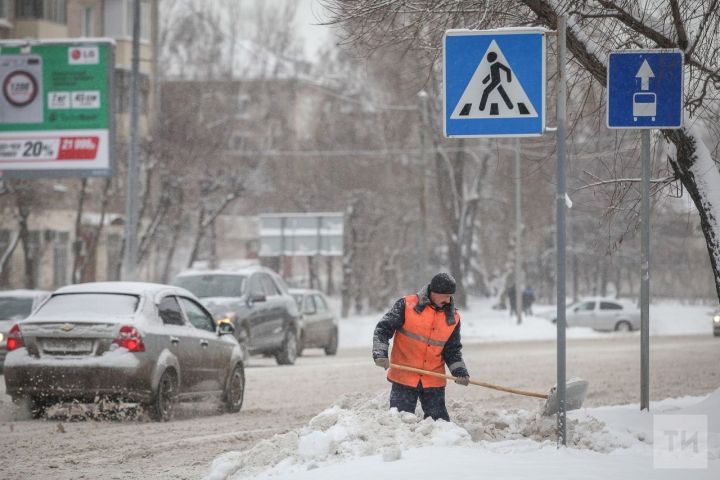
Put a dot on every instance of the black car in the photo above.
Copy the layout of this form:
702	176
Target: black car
256	301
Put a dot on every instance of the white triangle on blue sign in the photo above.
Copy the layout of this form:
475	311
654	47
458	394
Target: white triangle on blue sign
494	91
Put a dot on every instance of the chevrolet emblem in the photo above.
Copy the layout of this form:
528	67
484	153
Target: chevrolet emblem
67	327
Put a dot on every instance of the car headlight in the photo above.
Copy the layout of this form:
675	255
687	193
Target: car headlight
716	319
228	317
2	337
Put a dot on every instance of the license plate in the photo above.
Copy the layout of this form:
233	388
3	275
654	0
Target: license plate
63	345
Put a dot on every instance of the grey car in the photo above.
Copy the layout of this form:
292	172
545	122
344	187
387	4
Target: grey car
318	326
16	305
256	301
137	342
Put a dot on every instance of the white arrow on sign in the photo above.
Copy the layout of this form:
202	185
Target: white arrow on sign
645	73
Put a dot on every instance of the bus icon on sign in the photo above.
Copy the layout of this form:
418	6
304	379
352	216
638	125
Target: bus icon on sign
644	105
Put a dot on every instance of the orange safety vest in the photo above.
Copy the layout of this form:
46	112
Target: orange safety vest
419	343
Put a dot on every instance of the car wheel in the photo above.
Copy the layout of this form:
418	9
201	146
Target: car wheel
332	346
288	351
235	390
39	405
623	326
163	405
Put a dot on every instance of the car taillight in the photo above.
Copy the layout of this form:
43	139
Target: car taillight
15	338
130	338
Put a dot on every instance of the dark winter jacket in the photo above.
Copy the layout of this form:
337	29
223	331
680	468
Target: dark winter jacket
394	319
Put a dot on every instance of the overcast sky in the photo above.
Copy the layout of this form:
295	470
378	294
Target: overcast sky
310	13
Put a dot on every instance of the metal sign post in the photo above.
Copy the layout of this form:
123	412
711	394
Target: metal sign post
518	235
645	91
645	276
560	234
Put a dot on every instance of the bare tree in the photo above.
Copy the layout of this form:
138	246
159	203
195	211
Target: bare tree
595	27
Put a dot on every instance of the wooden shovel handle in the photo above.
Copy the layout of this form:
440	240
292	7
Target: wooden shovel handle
474	382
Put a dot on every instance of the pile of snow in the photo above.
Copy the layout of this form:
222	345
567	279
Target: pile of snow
481	323
360	432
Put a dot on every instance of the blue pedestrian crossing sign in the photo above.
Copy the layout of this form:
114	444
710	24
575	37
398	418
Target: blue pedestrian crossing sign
645	89
494	83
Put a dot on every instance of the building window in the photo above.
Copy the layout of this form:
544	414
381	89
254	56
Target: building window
3	9
87	27
51	10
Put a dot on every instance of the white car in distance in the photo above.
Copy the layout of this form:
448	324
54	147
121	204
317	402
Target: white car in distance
603	314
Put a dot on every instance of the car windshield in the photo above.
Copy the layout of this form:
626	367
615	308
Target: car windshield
15	308
214	285
89	305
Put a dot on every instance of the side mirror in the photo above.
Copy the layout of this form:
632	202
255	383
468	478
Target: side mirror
576	309
256	297
225	328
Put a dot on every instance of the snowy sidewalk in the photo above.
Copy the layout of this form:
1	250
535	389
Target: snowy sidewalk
359	438
480	323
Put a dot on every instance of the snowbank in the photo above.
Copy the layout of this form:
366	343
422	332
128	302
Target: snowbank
480	323
359	437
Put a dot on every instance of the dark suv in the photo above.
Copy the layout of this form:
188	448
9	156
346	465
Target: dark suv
256	301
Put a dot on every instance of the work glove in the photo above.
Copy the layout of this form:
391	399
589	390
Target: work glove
382	362
462	377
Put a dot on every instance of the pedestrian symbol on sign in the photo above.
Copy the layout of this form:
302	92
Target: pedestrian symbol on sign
494	74
488	85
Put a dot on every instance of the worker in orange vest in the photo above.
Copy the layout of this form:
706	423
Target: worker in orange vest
426	328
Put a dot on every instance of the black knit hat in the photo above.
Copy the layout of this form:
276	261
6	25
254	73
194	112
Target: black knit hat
442	283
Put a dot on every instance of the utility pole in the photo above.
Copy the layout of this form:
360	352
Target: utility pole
131	219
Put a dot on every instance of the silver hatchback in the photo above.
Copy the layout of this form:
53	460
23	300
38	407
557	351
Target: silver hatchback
318	325
137	342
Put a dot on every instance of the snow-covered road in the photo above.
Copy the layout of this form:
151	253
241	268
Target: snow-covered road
280	399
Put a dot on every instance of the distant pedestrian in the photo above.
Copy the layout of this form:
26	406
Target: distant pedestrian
510	292
528	298
426	331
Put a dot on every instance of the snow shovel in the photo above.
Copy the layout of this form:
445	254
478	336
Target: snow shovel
575	390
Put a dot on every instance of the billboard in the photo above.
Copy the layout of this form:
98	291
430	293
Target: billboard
301	234
56	108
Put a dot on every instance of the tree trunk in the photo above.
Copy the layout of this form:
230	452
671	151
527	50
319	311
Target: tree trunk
28	252
78	261
177	227
7	255
97	232
199	234
330	284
